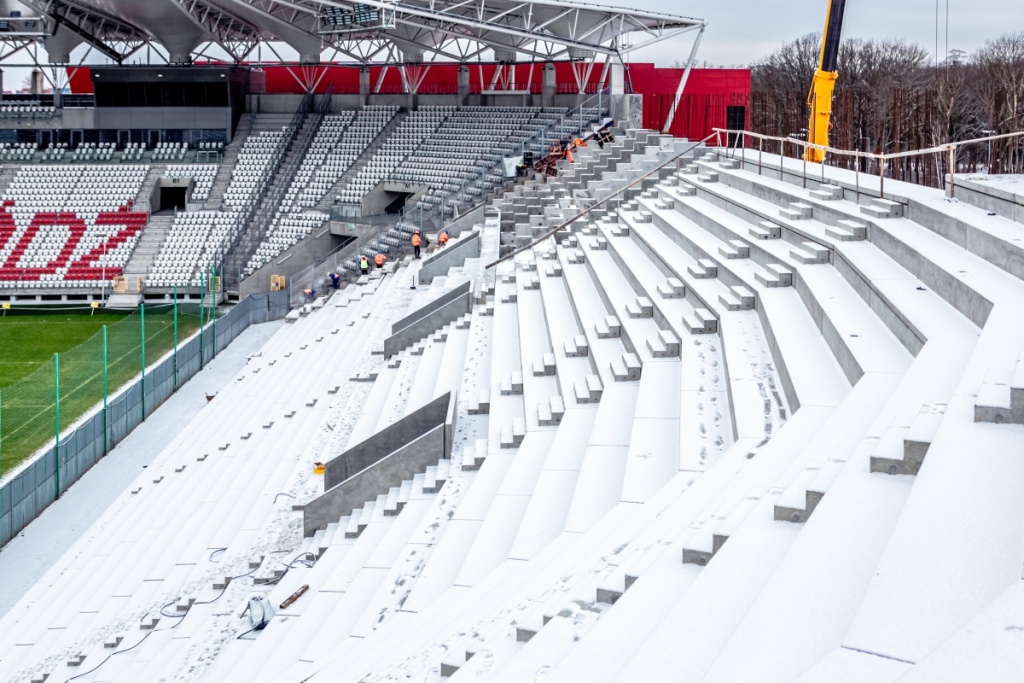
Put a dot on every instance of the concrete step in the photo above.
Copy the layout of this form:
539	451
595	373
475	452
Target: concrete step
766	230
810	252
672	288
735	249
797	211
827	193
701	321
738	298
703	269
775	275
847	231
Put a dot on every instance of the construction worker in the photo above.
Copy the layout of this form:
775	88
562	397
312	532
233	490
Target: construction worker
364	265
335	279
416	241
442	239
379	259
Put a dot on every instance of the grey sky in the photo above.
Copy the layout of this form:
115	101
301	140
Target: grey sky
742	31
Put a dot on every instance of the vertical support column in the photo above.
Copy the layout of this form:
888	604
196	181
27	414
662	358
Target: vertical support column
463	84
364	85
106	416
56	426
548	85
142	329
952	169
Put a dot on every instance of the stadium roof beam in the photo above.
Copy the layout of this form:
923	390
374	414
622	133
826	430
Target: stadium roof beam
459	30
235	36
101	30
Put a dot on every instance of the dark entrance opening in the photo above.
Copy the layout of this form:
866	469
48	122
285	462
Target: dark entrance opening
172	198
735	119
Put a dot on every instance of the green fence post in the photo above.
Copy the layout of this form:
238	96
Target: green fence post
142	329
106	417
213	308
175	337
56	425
202	311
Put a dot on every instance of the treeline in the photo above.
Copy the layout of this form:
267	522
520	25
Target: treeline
891	98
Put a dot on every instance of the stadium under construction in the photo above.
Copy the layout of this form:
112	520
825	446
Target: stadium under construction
554	369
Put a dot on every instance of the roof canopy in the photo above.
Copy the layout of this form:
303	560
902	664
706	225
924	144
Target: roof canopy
408	31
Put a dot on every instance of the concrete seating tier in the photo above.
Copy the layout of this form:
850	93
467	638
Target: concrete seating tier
69	226
201	174
718	440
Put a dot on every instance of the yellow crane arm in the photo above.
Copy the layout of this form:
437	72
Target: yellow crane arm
820	99
824	83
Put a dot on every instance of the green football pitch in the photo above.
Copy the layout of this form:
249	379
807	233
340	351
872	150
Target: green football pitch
30	338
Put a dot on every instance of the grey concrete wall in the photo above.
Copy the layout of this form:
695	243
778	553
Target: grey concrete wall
364	486
978	193
348	101
971	304
273	104
389	440
431	306
295	258
471	220
452	256
383	461
995	250
156	118
409	335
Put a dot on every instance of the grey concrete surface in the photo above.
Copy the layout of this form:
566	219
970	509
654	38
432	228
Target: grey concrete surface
442	260
377	479
388	440
32	552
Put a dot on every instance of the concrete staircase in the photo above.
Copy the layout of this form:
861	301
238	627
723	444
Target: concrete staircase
223	177
150	243
274	191
146	191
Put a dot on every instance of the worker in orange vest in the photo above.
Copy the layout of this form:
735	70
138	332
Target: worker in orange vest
442	239
379	259
416	243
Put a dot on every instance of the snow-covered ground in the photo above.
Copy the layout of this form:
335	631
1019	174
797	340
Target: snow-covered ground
31	553
685	450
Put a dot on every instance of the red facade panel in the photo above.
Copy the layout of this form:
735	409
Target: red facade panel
705	103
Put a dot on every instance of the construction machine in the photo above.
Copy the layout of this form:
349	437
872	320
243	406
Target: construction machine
820	97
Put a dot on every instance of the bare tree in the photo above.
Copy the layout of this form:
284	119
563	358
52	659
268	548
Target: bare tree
999	90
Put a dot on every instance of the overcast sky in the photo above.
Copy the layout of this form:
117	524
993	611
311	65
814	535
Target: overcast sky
741	31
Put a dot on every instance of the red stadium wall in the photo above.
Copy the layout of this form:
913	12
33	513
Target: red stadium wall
704	105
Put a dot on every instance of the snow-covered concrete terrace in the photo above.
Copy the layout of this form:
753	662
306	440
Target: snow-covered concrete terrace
728	428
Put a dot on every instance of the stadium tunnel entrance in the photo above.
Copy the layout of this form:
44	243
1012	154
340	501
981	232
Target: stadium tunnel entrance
171	194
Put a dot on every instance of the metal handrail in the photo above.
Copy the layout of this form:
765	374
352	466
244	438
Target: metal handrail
949	147
244	241
599	203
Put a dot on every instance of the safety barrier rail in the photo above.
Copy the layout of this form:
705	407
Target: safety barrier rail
736	139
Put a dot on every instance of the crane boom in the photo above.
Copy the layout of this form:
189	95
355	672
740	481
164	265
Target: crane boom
820	97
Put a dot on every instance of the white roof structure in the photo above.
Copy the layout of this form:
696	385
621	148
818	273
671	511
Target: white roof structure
739	425
373	30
